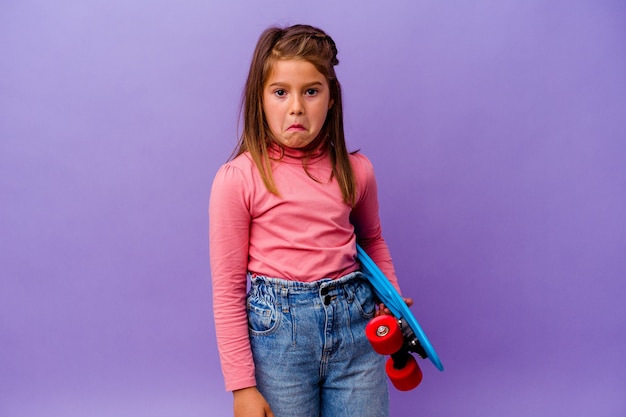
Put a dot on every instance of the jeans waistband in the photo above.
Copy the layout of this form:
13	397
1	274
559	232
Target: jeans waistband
298	286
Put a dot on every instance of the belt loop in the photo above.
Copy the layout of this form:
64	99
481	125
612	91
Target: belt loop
284	295
349	290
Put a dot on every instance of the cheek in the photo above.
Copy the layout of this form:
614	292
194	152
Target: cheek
275	117
323	114
271	115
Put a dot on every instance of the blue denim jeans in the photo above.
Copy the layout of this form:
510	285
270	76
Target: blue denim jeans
311	355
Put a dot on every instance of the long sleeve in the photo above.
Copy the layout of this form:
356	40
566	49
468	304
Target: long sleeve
366	220
229	224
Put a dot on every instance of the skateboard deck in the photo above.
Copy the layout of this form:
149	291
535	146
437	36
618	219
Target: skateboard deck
389	296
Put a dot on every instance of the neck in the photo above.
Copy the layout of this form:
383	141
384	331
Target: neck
309	153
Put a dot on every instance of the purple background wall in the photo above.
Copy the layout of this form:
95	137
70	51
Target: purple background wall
497	131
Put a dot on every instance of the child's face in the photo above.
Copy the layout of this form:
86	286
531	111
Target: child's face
296	99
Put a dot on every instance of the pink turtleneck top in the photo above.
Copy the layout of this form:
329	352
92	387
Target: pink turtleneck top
305	234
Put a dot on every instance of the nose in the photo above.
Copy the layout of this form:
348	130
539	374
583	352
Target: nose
297	107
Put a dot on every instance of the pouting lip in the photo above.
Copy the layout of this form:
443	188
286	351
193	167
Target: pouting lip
296	126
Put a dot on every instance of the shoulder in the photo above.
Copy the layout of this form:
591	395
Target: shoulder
363	171
362	167
242	162
240	166
237	173
358	159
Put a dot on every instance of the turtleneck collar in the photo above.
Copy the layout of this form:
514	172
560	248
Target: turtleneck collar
294	155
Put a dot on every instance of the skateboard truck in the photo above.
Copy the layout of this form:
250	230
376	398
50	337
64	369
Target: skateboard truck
412	342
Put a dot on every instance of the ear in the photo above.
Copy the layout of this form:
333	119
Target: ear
330	103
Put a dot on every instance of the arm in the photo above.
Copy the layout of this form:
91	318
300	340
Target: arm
229	223
229	228
366	220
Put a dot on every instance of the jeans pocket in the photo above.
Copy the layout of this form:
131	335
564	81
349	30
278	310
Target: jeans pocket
364	299
263	315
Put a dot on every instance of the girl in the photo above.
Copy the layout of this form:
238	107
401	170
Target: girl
286	213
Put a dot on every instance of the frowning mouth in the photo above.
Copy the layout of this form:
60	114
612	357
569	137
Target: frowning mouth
296	127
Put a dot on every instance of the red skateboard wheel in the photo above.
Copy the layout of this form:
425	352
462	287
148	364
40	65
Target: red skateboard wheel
384	334
407	378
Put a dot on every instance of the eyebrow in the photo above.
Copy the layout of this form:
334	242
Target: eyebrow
280	84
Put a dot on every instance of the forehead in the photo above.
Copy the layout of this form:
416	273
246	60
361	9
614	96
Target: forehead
294	71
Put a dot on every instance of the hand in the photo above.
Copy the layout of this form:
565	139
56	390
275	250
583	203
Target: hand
383	310
249	402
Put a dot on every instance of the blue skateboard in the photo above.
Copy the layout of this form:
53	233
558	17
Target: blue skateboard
396	335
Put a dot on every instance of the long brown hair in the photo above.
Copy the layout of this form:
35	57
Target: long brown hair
313	45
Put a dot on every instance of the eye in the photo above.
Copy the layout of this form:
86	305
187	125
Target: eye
311	92
280	93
